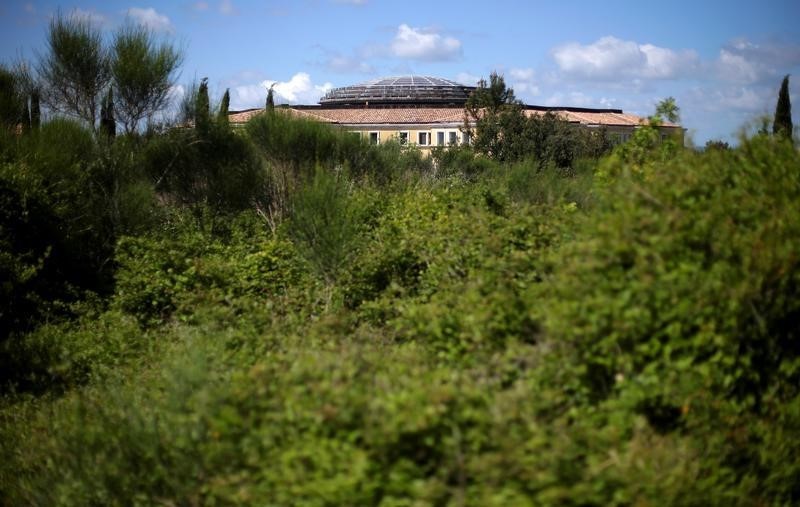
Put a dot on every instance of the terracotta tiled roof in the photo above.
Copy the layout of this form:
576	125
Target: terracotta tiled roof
391	116
600	118
434	115
243	116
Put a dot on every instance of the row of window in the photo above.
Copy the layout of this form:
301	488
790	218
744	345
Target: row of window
443	138
617	138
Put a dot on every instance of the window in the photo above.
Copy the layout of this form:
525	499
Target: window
374	138
452	138
403	138
440	139
465	138
423	139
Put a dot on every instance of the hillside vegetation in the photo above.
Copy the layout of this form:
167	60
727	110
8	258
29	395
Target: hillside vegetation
285	315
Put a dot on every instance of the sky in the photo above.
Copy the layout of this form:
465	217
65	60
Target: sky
723	61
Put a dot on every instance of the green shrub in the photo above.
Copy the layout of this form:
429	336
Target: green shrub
460	160
690	268
325	222
160	273
530	182
218	169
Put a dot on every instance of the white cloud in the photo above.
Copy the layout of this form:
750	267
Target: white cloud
467	78
735	98
745	62
150	18
297	90
735	67
340	63
91	15
422	44
226	7
574	99
522	81
521	74
200	6
612	58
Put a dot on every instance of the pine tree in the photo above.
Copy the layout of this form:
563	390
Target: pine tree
108	124
36	111
270	99
222	116
782	125
201	114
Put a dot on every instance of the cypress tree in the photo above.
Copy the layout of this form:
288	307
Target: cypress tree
270	99
201	118
782	125
108	124
223	108
26	116
36	112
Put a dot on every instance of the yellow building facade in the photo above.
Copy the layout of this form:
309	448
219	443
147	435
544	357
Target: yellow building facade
428	112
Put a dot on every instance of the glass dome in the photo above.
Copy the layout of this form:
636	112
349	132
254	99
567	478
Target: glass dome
403	90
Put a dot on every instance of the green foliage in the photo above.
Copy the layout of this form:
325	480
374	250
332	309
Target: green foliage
270	106
716	144
65	201
782	124
506	133
324	222
460	160
159	274
299	145
668	110
108	123
677	278
202	118
75	67
207	166
11	99
36	113
222	115
143	72
614	332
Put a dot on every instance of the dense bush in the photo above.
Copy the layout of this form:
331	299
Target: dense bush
619	333
215	168
299	145
193	259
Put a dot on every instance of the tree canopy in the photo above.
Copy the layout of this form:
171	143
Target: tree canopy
143	71
75	67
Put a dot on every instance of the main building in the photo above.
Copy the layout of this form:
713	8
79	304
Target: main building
429	111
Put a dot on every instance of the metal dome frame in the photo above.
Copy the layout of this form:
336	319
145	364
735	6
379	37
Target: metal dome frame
400	90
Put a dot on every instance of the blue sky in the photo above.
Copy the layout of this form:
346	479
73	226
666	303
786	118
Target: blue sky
722	60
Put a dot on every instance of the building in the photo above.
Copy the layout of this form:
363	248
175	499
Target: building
428	112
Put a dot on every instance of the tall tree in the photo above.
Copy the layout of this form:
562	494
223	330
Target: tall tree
143	71
496	115
75	67
201	113
108	123
222	116
26	115
782	125
36	110
668	110
11	99
270	99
